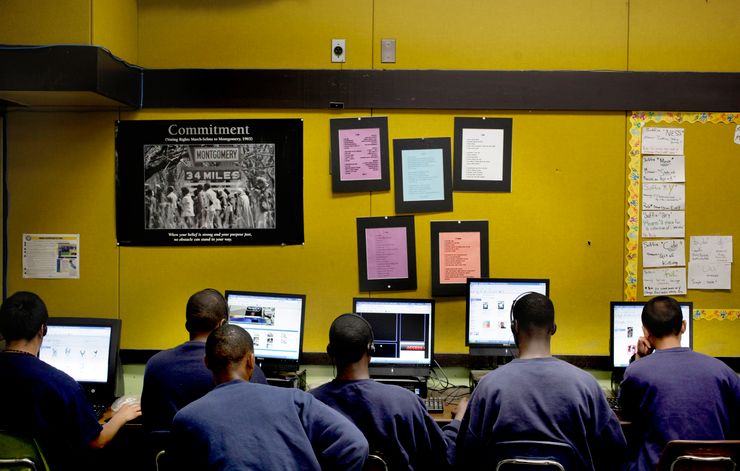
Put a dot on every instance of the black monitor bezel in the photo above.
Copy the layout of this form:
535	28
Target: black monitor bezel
493	347
98	390
267	363
431	330
613	304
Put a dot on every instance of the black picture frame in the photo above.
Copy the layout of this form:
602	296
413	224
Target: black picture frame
438	229
366	178
503	126
397	233
433	183
253	169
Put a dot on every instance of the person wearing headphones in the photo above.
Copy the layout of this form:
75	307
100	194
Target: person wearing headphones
43	402
540	398
393	419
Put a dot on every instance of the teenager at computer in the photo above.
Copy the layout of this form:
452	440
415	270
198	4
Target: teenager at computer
672	393
539	397
41	401
176	377
393	419
241	425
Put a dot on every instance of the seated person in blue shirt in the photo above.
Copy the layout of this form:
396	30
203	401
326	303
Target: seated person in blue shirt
176	377
241	425
393	419
672	393
41	401
537	397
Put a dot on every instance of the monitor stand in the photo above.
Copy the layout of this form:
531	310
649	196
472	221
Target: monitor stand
287	379
415	384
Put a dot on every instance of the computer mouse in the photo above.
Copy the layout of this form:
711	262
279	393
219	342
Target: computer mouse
123	400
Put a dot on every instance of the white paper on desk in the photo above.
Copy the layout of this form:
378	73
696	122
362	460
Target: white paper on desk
710	249
664	281
657	224
663	253
663	196
664	168
705	275
662	141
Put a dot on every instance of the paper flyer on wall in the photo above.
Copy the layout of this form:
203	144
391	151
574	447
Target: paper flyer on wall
51	256
664	281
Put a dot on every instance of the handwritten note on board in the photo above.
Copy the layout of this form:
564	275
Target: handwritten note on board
664	281
663	224
663	196
707	275
662	141
711	249
663	253
663	168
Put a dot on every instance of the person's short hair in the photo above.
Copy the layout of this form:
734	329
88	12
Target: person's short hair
22	315
205	311
662	316
350	337
227	346
533	311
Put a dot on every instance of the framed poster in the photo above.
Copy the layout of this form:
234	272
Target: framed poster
423	175
359	154
209	182
386	253
483	154
459	251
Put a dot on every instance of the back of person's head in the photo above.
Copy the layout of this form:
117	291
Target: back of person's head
662	316
350	337
227	346
534	312
205	311
22	315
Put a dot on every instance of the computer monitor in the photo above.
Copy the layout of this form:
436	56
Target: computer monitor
275	322
87	349
404	334
626	328
488	313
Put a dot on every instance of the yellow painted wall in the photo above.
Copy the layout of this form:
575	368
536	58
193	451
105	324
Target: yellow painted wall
44	22
115	26
568	178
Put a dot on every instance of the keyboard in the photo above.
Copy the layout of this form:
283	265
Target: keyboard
99	410
613	403
434	404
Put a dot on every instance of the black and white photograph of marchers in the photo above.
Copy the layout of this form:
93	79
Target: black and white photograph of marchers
209	187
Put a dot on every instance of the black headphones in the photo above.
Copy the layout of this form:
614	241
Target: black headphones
370	346
513	304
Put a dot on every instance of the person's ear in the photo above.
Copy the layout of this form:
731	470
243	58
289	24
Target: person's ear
554	329
683	326
329	350
43	330
205	362
514	327
221	322
249	362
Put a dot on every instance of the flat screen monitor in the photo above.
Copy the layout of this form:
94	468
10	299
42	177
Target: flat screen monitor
87	349
626	328
404	334
275	322
488	312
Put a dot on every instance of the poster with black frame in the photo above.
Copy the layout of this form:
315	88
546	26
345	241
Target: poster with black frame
209	182
359	154
483	154
459	251
386	253
422	175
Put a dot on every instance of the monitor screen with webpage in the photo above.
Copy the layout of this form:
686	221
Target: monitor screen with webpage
275	322
626	328
87	349
488	311
404	334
